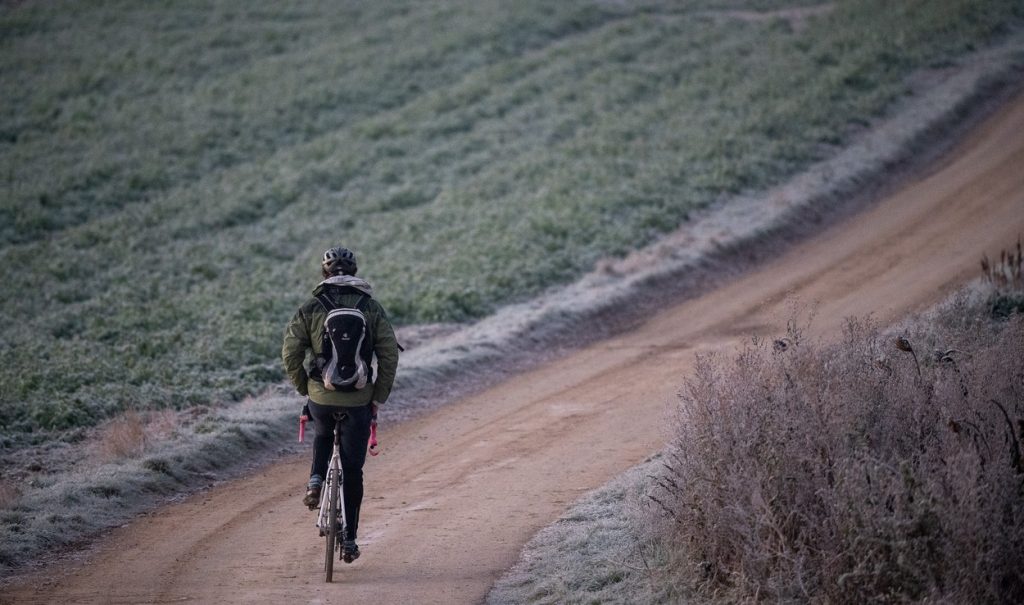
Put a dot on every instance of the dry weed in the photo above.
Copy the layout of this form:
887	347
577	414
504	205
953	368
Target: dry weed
133	432
122	437
1006	281
161	425
9	494
870	470
1006	272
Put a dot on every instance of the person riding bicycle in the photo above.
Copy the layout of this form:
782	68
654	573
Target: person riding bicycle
306	361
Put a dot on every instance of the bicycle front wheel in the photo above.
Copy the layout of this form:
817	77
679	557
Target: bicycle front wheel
332	524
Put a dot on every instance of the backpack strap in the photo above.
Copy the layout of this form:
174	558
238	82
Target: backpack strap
361	307
325	302
328	305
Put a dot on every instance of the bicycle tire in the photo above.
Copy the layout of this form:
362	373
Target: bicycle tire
332	525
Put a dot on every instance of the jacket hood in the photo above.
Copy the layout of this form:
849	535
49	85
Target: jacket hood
345	280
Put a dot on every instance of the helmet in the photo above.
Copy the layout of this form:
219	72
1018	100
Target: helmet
339	260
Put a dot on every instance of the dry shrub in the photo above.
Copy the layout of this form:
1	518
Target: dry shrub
1008	271
9	494
161	424
875	469
131	433
123	436
1005	277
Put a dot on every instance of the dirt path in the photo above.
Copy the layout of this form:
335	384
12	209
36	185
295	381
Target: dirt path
459	491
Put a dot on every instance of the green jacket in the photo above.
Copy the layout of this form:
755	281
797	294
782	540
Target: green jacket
303	338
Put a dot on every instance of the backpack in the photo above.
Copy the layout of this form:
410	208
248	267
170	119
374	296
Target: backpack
347	347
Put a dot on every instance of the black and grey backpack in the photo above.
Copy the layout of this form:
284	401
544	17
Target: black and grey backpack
346	352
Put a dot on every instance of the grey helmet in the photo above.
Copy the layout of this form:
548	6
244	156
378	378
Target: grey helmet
339	260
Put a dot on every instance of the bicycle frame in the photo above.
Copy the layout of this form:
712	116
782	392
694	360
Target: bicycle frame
335	475
333	470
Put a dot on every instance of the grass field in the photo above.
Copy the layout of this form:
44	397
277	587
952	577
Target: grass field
172	171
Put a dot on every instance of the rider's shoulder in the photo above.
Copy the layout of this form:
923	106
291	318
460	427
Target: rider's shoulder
313	305
309	306
374	306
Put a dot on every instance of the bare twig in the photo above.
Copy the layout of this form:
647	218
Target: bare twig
904	345
1015	453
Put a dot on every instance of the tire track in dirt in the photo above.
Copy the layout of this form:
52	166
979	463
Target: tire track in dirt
458	491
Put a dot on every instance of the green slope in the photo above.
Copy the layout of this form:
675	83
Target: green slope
173	170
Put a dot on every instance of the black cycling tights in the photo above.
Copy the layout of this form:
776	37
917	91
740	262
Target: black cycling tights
355	435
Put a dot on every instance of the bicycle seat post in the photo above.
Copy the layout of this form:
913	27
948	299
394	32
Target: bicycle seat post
338	418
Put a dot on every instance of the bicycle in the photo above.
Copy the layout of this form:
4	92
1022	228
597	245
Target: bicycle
330	521
331	518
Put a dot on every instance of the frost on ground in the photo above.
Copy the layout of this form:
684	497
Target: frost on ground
720	241
67	507
118	474
593	554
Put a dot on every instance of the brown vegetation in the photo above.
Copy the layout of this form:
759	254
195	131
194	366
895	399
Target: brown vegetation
9	493
123	436
1006	272
129	434
879	468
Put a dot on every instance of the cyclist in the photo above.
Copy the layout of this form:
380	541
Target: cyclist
304	357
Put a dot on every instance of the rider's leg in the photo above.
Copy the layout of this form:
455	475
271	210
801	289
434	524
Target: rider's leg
323	445
354	438
323	442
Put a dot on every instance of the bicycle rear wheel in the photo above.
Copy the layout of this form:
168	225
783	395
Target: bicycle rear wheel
332	523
